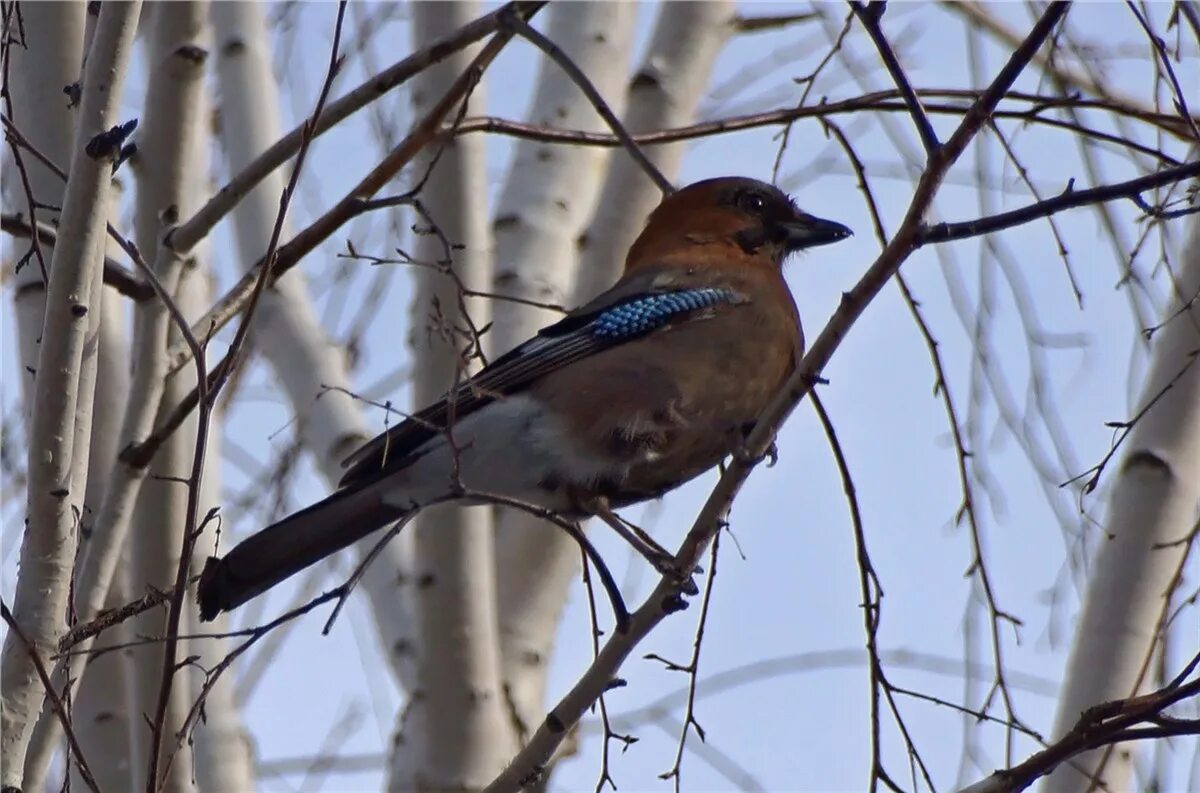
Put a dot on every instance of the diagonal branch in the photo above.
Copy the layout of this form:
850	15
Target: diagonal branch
52	697
200	224
877	101
555	53
870	16
116	275
290	254
666	598
1068	199
1103	725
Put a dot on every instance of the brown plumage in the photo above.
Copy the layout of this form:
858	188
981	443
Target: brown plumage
643	388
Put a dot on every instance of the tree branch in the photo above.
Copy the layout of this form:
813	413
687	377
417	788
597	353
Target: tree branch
666	599
116	275
1068	199
1100	726
870	15
290	254
569	66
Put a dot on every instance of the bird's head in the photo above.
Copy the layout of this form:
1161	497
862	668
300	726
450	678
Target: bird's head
749	218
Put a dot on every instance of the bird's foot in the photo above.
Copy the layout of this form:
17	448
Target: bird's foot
666	566
744	455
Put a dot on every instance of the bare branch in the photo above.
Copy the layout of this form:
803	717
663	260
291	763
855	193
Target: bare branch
290	254
666	599
55	701
558	56
1065	74
1070	198
116	275
871	16
1100	726
198	227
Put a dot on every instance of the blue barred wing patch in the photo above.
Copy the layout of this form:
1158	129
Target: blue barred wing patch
572	339
653	311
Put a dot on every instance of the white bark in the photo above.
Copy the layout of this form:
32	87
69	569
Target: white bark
664	93
54	34
1152	508
550	193
224	748
51	59
223	757
282	147
64	390
224	751
171	167
100	712
454	732
309	368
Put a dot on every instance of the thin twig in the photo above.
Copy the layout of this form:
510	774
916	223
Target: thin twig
1164	62
608	735
56	703
198	226
111	618
555	53
1070	198
1102	726
693	671
1190	10
871	15
666	598
422	134
869	585
1055	67
116	274
206	398
882	101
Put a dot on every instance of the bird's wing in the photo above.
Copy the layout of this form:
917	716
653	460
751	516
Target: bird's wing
620	315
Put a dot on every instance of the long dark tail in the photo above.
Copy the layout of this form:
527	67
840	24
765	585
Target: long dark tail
281	550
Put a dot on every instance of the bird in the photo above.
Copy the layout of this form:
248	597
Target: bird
648	385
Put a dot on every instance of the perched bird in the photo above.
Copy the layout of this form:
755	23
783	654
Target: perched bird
647	386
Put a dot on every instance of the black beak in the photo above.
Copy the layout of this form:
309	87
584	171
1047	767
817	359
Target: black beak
809	231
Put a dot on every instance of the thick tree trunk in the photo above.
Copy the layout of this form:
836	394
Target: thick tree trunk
64	390
54	34
549	195
664	93
310	369
455	731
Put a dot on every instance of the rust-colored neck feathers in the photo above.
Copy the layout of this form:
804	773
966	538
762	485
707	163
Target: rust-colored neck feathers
700	226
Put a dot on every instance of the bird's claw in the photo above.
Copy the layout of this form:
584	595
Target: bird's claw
772	455
743	455
685	580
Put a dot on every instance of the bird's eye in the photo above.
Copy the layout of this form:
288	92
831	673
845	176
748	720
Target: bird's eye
751	202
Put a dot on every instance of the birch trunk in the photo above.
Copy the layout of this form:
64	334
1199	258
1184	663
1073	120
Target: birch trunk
1152	512
171	167
309	367
64	390
665	92
52	59
455	731
224	757
550	193
100	712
